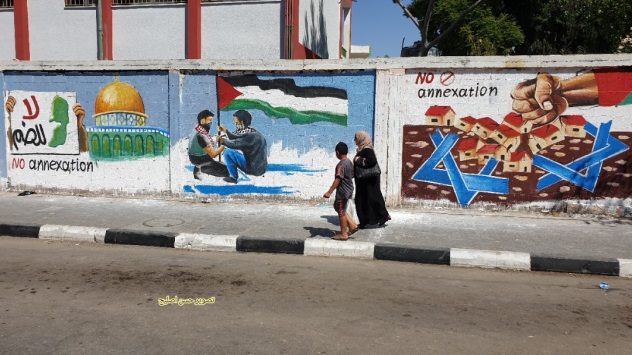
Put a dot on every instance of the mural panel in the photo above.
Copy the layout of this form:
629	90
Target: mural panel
89	131
511	137
268	134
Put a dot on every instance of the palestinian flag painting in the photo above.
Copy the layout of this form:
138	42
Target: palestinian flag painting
282	98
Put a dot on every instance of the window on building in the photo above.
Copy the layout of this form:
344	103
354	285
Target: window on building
147	2
81	3
89	3
6	4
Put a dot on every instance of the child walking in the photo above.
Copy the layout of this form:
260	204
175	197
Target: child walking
343	184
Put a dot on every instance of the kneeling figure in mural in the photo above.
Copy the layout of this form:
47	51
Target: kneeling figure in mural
202	151
246	148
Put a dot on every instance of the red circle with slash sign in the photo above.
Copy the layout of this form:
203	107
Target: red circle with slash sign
447	78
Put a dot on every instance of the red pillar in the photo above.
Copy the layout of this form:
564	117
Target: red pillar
106	18
21	23
298	51
194	29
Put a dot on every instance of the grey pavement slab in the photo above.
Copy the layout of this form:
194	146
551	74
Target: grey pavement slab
418	228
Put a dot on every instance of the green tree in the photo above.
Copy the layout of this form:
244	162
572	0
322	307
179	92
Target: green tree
464	27
571	26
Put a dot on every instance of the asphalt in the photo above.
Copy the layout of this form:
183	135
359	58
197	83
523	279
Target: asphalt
520	240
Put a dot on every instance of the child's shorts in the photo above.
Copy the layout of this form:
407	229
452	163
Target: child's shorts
340	205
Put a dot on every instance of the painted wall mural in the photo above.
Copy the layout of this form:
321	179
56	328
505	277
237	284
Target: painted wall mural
87	131
468	136
268	134
517	137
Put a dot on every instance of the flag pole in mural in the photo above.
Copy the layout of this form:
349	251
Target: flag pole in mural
282	98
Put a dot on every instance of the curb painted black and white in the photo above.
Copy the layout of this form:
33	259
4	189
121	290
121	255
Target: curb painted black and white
326	247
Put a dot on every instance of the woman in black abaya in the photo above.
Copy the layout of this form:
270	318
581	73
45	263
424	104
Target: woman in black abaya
369	201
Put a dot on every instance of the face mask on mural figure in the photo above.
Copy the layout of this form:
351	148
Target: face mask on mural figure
206	126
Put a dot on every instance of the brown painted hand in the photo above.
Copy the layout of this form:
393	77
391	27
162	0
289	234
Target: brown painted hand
10	104
539	99
79	112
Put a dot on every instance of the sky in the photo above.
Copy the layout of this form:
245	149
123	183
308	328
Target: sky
381	25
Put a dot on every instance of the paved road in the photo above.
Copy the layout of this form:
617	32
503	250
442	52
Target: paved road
73	298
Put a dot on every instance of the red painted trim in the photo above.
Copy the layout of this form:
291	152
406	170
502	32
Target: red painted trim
291	33
108	31
194	29
21	23
299	51
296	45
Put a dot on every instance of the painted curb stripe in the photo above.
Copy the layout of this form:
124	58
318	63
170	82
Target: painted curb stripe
625	267
490	259
74	233
404	253
579	266
132	237
392	252
247	244
206	242
14	230
350	249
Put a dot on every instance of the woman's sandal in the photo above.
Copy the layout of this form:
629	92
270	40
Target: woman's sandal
339	237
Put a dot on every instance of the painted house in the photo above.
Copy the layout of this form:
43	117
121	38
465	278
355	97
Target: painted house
545	136
506	136
573	125
465	124
519	162
440	116
175	29
502	153
516	122
484	127
486	152
467	149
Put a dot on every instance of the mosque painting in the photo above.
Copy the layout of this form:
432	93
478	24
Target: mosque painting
121	130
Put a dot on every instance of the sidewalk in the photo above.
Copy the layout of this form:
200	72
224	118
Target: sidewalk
451	237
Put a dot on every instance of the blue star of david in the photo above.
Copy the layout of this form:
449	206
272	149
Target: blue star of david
605	147
466	186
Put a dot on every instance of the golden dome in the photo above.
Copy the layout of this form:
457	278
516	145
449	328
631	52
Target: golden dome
119	97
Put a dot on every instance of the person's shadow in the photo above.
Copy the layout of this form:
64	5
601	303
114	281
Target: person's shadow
324	232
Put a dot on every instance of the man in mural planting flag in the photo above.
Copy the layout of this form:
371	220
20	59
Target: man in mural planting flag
276	98
245	149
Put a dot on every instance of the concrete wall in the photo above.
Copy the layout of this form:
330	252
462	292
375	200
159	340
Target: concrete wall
7	35
242	30
57	33
428	118
149	32
319	27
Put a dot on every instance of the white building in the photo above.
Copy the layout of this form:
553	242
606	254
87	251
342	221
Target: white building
174	29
